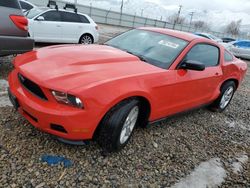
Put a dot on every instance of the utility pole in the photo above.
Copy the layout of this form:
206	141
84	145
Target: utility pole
191	18
122	6
178	16
142	12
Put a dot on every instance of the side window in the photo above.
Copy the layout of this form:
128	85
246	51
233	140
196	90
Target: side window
52	16
70	17
204	53
84	19
25	5
227	56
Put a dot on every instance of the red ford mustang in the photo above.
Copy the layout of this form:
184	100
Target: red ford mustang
103	91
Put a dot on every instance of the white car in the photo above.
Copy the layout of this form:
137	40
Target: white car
209	36
61	26
26	6
240	48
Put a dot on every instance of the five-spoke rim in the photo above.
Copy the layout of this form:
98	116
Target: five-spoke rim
129	124
228	94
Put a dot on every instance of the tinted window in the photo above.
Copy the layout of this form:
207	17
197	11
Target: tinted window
204	53
228	56
25	5
11	4
52	16
84	19
152	47
70	17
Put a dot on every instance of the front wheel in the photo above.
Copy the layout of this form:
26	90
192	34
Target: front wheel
227	92
118	125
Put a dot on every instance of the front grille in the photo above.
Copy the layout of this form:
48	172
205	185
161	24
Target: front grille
32	87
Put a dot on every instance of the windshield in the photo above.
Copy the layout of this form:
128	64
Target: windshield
34	12
155	48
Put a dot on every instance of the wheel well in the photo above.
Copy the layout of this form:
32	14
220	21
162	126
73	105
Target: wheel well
88	35
234	80
145	106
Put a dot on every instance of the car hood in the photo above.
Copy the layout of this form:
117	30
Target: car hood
66	67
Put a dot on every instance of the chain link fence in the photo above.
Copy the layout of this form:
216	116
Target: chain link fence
110	17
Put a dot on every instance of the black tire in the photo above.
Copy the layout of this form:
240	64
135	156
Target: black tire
216	105
112	124
86	37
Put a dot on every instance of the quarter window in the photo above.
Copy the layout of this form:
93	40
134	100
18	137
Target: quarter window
227	56
52	16
84	19
25	5
70	17
204	53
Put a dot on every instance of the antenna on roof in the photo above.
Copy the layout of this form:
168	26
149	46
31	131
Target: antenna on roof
52	3
70	6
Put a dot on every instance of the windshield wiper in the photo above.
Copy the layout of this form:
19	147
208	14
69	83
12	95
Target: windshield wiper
141	57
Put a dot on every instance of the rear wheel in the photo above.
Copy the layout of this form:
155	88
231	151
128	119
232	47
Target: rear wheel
118	125
86	39
227	92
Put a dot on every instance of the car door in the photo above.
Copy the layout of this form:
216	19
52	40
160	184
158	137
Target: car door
194	88
49	29
71	27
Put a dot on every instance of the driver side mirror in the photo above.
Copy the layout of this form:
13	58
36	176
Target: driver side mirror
192	65
40	18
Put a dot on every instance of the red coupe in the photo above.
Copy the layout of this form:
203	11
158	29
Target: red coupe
79	92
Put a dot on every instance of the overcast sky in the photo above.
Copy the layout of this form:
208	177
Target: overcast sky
232	5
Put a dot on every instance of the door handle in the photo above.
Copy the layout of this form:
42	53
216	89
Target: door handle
216	74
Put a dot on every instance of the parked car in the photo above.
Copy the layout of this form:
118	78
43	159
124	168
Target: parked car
240	48
26	5
104	91
227	39
13	29
61	26
209	36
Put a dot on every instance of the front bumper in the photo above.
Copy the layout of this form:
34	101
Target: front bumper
49	116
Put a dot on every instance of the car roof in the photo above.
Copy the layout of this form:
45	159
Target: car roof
178	34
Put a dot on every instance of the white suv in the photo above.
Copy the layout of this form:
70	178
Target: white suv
61	26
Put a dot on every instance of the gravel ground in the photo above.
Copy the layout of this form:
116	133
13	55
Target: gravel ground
197	149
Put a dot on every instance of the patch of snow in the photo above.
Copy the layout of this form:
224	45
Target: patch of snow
237	166
4	99
238	124
208	174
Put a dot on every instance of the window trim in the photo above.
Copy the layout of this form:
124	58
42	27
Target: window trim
219	58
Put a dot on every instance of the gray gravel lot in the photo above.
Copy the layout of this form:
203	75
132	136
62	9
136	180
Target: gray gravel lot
197	149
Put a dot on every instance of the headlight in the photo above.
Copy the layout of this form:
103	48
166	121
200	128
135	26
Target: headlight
67	99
